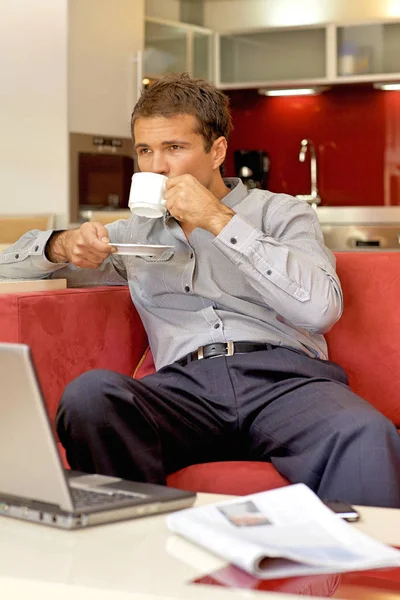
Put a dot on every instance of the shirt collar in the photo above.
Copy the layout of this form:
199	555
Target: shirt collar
238	191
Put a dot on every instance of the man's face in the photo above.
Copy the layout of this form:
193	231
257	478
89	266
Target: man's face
171	147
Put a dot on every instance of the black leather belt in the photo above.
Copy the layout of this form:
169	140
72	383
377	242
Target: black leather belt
228	349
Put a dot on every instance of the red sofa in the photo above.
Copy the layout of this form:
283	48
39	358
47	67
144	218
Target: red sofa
74	330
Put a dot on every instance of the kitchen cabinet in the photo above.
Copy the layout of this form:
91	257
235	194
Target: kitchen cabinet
274	55
308	55
106	38
174	47
367	51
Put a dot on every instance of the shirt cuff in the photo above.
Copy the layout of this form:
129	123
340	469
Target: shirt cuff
37	252
238	235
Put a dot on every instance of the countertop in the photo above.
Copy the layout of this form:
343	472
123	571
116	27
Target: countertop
338	215
349	215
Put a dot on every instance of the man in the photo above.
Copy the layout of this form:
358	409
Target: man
247	267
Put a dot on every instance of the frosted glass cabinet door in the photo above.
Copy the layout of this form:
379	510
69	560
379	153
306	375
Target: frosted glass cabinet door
165	50
368	49
273	55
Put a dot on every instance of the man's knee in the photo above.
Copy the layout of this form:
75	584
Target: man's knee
83	399
362	423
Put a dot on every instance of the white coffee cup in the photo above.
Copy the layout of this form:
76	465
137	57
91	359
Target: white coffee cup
146	198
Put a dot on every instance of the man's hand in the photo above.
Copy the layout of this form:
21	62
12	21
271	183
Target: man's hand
190	202
86	247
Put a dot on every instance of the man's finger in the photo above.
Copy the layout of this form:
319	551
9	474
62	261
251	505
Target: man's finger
91	242
100	229
173	181
92	254
84	261
95	235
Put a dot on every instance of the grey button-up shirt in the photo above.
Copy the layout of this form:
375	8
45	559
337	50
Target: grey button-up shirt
267	277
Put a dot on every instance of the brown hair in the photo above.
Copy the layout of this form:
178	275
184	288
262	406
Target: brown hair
181	94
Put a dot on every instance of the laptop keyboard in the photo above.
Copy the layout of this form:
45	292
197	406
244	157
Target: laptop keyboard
82	497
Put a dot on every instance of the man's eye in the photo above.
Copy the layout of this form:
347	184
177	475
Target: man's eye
144	151
174	147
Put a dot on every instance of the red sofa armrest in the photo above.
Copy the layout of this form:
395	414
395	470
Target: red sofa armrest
71	331
365	342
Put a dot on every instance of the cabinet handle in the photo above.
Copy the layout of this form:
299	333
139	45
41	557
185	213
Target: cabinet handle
367	243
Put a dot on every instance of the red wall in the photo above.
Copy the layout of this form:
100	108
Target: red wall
356	131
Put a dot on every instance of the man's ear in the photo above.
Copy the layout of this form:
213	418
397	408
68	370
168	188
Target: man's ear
218	150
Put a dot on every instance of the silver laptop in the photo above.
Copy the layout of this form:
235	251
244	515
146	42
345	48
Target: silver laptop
33	484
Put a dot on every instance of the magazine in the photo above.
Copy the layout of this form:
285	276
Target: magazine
281	533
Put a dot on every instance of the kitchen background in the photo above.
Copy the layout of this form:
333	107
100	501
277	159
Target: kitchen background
71	71
356	130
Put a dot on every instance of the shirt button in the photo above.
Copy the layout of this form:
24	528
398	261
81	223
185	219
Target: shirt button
36	248
217	326
17	256
191	255
269	272
233	240
187	288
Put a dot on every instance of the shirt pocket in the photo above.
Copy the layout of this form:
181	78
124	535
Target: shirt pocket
164	257
146	264
148	274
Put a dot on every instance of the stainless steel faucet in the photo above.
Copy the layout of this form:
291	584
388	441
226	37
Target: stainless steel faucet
313	198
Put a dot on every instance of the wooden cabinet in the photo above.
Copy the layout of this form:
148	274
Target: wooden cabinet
308	55
106	38
174	47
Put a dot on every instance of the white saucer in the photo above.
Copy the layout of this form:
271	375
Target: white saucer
140	249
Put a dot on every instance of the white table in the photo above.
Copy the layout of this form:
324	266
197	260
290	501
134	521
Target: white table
138	559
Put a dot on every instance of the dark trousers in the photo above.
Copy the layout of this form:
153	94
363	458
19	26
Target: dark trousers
274	405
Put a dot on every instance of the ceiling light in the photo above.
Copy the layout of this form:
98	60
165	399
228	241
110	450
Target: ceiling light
387	86
292	91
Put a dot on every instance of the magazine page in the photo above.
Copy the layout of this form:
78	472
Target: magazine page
281	533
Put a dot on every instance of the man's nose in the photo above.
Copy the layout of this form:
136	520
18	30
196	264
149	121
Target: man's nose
160	165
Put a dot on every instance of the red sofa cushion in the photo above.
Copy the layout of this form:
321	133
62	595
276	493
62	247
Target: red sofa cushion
235	477
365	342
74	330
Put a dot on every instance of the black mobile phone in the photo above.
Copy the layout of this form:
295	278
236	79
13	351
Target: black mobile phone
344	510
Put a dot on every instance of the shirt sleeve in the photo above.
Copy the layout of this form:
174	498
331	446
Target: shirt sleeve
26	259
288	264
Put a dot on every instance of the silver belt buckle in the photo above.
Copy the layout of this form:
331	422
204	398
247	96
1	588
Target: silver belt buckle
230	349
